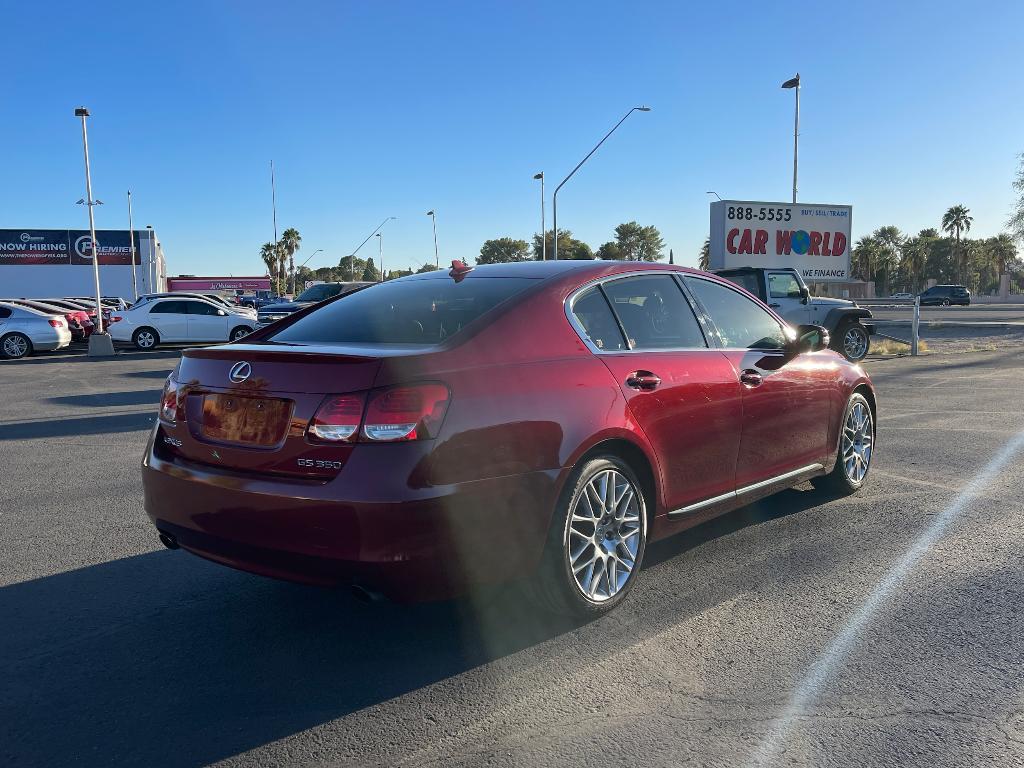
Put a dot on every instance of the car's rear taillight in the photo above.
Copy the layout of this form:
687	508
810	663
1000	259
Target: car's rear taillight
169	401
337	419
116	318
413	412
56	323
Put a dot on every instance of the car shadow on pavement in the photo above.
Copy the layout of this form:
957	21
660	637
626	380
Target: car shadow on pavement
164	659
109	399
74	427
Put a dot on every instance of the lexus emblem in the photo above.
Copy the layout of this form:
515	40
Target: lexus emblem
240	372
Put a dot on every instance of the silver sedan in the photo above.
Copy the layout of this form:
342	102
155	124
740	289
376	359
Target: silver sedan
24	330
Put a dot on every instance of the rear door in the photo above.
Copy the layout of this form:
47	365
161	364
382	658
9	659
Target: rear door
684	395
786	399
206	322
169	318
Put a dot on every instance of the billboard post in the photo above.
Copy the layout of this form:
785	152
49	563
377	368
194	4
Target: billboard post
811	237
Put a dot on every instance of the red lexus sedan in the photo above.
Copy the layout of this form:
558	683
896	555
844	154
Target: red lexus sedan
537	421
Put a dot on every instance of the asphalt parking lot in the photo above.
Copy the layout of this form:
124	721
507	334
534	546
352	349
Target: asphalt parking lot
882	629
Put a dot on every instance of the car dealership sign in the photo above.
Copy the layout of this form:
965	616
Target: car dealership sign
812	238
66	246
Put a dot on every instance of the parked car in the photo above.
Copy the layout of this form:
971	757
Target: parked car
271	313
115	303
24	330
79	322
945	295
215	298
161	321
543	420
85	305
902	295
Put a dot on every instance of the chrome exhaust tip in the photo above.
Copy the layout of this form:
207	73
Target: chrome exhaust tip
168	540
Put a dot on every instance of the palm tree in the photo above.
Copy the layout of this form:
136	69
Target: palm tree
915	258
865	255
1003	250
704	260
291	241
955	221
890	247
268	252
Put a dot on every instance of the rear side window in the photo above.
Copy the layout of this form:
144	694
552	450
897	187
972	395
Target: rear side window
200	308
741	323
654	313
5	312
597	320
747	281
410	312
169	308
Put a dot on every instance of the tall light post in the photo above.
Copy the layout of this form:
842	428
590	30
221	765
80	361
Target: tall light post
554	197
131	238
437	259
273	208
314	253
794	83
352	257
152	258
543	232
380	256
83	113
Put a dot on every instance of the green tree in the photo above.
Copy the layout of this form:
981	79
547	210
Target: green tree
637	243
704	257
426	268
268	252
609	251
1016	220
351	267
1003	250
568	246
955	221
291	241
890	241
503	250
915	258
864	258
370	273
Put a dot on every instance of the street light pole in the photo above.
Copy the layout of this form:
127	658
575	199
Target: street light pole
151	270
83	113
437	259
714	193
543	232
794	83
352	263
554	197
131	237
380	256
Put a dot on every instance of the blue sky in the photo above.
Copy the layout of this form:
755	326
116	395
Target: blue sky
376	109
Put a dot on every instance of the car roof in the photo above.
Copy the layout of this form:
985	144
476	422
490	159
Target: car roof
23	308
582	268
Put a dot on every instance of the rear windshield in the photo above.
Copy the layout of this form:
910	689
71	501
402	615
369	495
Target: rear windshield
418	312
319	292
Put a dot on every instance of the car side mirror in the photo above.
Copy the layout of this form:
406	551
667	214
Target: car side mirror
221	313
805	294
809	338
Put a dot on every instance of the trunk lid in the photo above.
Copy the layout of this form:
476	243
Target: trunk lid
246	407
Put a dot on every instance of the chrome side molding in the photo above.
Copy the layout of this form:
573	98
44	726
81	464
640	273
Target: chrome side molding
745	489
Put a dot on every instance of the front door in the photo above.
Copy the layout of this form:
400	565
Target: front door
785	411
206	322
786	298
684	395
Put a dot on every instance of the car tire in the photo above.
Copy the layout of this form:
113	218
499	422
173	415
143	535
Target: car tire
852	341
239	332
14	346
945	302
856	449
145	338
589	545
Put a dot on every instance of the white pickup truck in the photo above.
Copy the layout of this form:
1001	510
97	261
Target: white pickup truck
784	290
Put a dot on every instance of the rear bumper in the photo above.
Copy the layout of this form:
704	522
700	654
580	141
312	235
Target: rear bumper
368	526
60	338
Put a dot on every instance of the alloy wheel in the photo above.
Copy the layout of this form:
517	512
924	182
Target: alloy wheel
858	438
15	346
145	339
855	342
604	534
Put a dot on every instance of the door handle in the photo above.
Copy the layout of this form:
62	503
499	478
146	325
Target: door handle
643	380
751	378
775	306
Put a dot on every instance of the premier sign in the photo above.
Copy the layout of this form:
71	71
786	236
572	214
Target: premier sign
64	246
812	238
